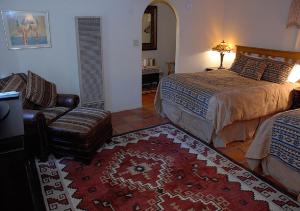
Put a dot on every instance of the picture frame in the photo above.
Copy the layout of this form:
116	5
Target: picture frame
26	29
149	29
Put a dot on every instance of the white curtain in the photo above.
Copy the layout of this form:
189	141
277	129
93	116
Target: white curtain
294	14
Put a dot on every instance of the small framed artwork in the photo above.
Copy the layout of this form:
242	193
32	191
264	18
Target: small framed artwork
26	29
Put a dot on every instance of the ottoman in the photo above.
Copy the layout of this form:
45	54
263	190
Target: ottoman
80	133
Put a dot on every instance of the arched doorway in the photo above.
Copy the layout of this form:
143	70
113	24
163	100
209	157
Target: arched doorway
159	47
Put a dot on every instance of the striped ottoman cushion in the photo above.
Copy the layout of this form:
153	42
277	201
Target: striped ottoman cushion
80	120
80	133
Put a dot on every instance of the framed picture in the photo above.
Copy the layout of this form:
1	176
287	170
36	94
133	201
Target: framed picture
26	29
149	33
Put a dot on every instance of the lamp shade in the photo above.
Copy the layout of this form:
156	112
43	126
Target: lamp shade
223	47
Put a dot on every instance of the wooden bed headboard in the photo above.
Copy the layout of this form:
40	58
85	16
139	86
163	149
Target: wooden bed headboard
288	56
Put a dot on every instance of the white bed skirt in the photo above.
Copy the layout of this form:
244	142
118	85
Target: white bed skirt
282	173
238	131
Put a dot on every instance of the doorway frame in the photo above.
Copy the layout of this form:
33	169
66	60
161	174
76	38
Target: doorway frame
173	8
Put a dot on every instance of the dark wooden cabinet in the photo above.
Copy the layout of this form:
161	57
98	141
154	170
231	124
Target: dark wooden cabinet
20	188
16	178
14	192
150	78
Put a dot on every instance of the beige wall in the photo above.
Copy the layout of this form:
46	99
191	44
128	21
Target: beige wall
259	23
121	19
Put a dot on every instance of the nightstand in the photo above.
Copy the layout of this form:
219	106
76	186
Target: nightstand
213	68
296	98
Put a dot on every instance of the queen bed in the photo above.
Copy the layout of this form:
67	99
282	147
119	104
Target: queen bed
276	147
222	106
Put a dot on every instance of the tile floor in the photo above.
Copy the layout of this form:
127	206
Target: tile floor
130	120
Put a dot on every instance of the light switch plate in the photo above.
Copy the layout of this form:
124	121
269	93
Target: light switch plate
136	43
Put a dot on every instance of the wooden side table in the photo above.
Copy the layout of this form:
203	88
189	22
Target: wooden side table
213	68
296	98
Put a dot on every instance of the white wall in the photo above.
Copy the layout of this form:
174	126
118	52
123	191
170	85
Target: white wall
259	23
198	30
166	37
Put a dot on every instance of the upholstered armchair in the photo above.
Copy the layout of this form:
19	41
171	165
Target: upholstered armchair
36	122
42	105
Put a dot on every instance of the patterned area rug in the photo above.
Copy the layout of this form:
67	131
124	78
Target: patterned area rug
160	168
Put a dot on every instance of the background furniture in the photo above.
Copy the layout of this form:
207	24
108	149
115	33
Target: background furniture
150	78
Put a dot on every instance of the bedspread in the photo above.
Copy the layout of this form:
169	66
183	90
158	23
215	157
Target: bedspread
223	97
276	149
285	143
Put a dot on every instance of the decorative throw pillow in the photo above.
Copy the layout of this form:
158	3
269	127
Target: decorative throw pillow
40	91
239	63
277	71
254	68
17	83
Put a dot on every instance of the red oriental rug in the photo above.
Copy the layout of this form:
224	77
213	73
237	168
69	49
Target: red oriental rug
161	168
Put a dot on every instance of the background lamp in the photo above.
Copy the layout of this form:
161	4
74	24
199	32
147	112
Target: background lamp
223	48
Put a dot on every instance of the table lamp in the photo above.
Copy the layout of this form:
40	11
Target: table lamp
223	48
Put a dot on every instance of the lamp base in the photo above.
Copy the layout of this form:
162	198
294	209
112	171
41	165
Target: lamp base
221	64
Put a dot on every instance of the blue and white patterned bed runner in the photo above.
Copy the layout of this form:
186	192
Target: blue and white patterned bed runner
179	90
285	144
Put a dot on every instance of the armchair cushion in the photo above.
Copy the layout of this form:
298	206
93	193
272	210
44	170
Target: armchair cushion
40	91
52	114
